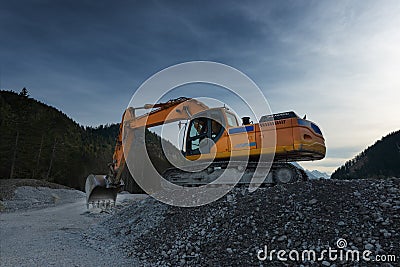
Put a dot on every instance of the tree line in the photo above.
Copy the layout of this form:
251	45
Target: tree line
380	160
40	142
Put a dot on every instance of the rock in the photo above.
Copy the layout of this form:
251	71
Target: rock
282	238
312	201
368	246
387	235
229	250
341	223
385	205
96	211
55	197
326	263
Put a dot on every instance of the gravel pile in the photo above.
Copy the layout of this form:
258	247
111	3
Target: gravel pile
311	215
122	225
8	186
28	197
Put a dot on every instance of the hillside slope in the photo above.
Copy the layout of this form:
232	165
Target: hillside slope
380	160
38	141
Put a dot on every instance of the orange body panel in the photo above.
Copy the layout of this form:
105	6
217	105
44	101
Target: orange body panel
290	142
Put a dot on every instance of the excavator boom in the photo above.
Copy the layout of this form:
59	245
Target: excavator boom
101	189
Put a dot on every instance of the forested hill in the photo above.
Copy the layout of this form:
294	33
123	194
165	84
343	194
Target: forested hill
380	160
38	141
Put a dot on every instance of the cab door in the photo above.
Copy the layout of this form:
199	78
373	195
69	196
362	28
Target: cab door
198	135
204	132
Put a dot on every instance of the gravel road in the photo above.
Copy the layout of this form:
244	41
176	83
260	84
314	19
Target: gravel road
52	236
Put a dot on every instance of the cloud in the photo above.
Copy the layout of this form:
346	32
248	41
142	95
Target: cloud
335	61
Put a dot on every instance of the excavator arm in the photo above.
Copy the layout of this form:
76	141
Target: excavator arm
174	110
103	188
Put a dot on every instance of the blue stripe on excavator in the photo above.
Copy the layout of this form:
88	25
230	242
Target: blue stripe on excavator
241	129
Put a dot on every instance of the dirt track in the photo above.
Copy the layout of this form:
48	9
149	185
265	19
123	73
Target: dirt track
52	236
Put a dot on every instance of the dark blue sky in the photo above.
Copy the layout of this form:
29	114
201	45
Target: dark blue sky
81	55
332	60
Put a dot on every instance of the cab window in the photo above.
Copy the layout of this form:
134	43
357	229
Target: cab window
232	121
198	127
215	129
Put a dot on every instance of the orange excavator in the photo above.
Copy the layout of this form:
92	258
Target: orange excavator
215	136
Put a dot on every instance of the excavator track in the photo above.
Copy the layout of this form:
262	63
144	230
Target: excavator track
266	175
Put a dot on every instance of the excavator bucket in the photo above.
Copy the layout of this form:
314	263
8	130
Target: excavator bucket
99	192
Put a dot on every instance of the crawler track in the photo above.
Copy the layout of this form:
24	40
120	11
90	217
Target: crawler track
249	172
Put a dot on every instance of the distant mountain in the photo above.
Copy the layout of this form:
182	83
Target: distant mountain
313	174
38	141
380	160
319	174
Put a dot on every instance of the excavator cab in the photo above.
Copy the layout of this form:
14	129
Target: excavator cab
204	131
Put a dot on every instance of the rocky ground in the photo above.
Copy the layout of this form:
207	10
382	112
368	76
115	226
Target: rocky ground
140	231
229	232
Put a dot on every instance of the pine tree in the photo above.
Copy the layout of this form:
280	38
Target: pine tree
24	93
